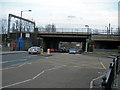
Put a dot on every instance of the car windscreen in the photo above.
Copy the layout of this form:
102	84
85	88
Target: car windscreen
33	47
72	49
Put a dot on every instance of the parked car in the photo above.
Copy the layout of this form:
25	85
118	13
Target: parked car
62	50
52	50
79	51
34	50
72	51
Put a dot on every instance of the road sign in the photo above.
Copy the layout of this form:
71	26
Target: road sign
20	39
77	45
27	35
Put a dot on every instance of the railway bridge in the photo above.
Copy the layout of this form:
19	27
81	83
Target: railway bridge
52	39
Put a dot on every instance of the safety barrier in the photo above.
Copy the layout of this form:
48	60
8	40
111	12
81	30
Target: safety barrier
110	76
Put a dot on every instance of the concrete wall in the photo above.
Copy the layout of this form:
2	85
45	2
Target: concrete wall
105	37
106	44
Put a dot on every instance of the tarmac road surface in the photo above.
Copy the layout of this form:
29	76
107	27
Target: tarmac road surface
61	70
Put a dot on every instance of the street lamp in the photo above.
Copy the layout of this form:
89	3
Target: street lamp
25	11
112	30
21	21
106	30
87	28
86	47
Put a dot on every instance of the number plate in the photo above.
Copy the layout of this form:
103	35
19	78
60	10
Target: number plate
31	50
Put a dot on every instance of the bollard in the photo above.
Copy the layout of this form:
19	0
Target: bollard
93	48
48	51
41	52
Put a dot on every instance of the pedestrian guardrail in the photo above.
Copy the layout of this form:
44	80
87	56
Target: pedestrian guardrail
110	76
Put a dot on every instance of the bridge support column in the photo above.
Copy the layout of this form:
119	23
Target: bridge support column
86	48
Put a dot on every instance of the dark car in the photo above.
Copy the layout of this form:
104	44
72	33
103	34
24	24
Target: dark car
79	51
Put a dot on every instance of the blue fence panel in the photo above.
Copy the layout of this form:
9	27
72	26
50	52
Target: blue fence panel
20	45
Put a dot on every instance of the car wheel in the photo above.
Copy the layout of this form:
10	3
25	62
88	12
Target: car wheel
29	53
37	52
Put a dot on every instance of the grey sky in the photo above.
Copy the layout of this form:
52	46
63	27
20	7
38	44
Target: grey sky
65	13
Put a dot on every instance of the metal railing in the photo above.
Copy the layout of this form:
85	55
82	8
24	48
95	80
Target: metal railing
78	30
110	76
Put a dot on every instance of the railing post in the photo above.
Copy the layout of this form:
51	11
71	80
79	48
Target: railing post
111	76
114	67
118	64
103	83
110	65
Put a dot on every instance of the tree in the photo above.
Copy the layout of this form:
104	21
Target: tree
50	28
53	28
3	25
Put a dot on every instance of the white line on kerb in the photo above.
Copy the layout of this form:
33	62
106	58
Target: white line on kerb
36	76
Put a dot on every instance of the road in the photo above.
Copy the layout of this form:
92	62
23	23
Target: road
11	59
61	70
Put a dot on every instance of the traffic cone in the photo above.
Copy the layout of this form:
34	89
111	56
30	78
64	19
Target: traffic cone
48	51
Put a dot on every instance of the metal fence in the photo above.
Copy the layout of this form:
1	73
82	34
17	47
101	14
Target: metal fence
109	78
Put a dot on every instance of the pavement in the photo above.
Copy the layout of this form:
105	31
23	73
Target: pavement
97	81
103	54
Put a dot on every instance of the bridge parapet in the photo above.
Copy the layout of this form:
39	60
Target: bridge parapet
65	33
105	37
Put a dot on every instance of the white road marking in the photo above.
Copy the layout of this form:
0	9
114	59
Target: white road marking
91	83
16	83
36	76
21	65
18	60
46	57
14	61
53	68
7	68
13	66
29	63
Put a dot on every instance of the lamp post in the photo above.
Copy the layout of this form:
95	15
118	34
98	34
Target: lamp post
87	28
112	30
106	30
86	48
21	21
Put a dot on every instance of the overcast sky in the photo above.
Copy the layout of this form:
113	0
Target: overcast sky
65	13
